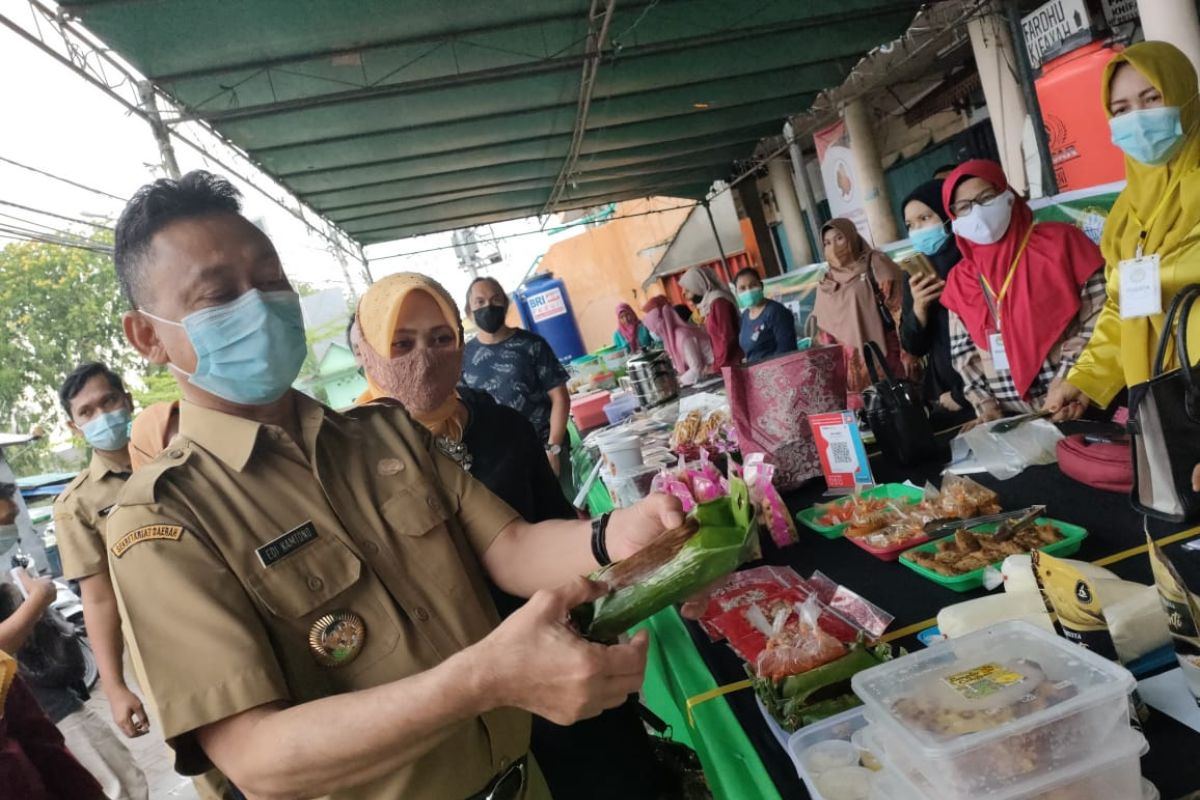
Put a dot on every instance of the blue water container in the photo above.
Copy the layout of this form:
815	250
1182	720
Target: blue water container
545	309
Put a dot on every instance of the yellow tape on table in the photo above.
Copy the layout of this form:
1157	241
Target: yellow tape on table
720	691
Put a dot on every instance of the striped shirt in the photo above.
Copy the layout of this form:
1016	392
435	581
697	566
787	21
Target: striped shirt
985	384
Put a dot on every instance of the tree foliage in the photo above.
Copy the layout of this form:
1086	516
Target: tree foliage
59	306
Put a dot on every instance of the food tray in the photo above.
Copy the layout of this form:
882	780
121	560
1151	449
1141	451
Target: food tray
974	579
910	494
1053	703
887	553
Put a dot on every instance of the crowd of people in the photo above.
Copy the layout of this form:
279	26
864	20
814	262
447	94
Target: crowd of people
373	602
1001	314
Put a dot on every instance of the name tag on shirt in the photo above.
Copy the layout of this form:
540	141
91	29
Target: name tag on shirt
283	546
996	347
1140	287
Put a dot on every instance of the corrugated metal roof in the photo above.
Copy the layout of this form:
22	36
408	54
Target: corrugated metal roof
395	118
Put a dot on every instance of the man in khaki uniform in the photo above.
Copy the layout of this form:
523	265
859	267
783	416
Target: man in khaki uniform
305	589
98	408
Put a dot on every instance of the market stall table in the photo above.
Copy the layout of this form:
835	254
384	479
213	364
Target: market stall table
741	756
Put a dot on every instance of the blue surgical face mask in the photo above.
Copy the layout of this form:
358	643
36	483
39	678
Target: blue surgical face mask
248	351
1151	135
929	240
108	431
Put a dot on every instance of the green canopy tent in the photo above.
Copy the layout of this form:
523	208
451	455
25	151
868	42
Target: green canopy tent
395	118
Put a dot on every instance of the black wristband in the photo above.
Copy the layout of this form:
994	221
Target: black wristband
599	536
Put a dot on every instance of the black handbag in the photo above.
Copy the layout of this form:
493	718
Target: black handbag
1164	424
895	413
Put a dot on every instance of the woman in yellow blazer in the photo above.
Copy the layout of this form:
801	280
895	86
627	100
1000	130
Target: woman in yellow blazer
1150	96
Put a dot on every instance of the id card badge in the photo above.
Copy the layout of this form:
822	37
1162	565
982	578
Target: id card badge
1141	287
996	348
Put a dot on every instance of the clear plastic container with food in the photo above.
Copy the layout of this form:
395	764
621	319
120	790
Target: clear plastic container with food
1111	772
832	766
1008	704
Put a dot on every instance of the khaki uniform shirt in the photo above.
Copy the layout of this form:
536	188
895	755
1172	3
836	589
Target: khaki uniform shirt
80	514
218	608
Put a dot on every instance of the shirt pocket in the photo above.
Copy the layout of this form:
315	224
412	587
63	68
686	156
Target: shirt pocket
325	576
420	519
306	581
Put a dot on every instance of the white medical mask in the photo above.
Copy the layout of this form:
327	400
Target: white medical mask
986	223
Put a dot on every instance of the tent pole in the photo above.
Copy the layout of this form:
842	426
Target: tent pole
1032	107
717	236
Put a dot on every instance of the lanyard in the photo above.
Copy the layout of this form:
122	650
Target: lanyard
1162	202
994	300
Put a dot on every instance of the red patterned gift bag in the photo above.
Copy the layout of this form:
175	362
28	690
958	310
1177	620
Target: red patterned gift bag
771	401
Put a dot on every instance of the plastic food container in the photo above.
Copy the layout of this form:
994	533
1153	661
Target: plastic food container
1006	705
586	366
620	408
614	359
604	380
1068	546
621	452
825	738
588	410
1111	772
897	491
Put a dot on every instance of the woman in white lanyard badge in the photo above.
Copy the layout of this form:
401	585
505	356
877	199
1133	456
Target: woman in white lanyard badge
1151	241
1023	299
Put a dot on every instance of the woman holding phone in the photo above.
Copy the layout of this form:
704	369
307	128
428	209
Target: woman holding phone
924	322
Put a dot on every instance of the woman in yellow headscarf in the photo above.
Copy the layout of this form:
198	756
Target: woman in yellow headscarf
1149	95
411	350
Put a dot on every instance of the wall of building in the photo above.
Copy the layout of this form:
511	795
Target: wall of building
606	265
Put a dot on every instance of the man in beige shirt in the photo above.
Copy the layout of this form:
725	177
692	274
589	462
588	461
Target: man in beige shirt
304	589
99	409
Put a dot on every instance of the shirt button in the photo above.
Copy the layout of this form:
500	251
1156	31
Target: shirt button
176	454
315	583
370	548
422	614
433	503
504	762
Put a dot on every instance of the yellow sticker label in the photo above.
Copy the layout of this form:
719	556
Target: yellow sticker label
172	532
982	681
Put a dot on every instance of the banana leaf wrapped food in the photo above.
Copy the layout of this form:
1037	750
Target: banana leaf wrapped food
713	541
799	700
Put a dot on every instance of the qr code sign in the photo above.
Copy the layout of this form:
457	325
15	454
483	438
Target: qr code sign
842	457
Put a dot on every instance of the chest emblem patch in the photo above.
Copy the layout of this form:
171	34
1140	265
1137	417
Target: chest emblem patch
337	638
146	534
390	466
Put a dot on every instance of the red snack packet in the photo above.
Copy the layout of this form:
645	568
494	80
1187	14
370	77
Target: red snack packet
868	616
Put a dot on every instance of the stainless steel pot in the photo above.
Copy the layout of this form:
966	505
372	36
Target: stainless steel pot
653	378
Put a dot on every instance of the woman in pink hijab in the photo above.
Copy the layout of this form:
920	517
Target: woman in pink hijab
630	334
689	347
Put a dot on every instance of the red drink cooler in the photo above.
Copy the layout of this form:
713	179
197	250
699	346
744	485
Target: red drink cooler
1069	93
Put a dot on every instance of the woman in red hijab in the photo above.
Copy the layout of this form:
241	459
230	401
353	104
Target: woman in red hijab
1024	299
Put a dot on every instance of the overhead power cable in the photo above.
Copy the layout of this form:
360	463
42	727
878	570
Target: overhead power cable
81	46
63	217
68	181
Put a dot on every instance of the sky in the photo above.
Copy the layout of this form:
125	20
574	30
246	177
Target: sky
51	119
